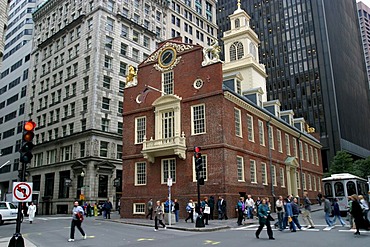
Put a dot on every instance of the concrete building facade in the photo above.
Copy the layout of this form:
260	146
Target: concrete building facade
185	98
84	56
14	78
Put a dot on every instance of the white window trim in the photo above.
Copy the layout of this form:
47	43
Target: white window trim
304	181
287	144
192	120
274	175
255	171
162	166
266	177
136	177
240	122
261	133
250	131
271	137
242	166
280	144
135	208
309	181
298	180
282	177
136	136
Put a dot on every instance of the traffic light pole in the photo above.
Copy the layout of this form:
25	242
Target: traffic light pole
199	220
17	239
25	158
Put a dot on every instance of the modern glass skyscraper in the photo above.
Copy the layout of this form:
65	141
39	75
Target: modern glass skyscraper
315	65
364	17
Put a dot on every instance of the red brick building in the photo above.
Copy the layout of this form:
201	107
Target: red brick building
185	97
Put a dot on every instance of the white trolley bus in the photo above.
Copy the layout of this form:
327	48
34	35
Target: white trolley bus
343	185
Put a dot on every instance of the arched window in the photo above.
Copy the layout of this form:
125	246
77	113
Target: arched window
240	50
236	51
252	50
232	52
237	23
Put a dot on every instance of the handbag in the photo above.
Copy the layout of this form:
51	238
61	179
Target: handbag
207	210
290	219
270	218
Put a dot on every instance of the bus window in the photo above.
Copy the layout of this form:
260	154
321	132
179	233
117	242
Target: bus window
339	189
351	188
328	190
362	188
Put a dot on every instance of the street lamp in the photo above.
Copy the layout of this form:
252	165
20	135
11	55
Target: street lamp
82	195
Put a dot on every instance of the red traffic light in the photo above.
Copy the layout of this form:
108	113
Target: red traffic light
29	125
197	149
28	136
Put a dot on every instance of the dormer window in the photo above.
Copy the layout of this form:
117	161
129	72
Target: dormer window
167	82
237	23
236	51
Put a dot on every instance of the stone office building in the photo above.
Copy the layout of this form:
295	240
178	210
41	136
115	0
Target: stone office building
81	57
186	97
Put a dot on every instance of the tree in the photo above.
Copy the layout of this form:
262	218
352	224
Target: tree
361	168
342	163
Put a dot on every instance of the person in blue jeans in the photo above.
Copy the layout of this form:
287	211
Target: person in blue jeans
280	213
296	211
176	209
288	218
337	213
327	210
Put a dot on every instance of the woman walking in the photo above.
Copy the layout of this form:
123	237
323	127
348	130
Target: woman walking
190	210
77	218
280	213
158	211
263	217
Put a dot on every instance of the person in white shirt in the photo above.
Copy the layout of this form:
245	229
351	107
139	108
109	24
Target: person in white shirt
31	212
77	218
249	204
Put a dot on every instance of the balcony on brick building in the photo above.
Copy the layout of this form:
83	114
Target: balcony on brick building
175	145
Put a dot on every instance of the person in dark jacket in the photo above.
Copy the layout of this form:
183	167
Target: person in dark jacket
296	211
240	207
176	209
107	207
336	213
263	218
211	203
356	212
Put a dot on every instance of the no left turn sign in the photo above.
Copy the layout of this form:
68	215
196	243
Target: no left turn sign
22	192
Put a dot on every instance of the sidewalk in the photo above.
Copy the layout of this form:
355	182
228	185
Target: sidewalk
214	225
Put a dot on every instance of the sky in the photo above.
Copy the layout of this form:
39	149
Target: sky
367	2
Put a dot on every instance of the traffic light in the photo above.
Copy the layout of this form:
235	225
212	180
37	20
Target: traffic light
198	159
26	149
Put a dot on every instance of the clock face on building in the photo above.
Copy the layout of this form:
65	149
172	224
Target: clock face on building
167	57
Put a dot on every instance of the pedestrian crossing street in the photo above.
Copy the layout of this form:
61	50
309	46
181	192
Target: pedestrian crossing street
318	228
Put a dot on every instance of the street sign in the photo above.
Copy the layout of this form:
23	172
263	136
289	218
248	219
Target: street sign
22	192
169	181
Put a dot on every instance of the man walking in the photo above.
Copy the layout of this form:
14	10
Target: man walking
221	207
249	203
306	214
108	207
77	218
150	208
327	210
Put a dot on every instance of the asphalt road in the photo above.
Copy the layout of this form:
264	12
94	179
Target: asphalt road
54	231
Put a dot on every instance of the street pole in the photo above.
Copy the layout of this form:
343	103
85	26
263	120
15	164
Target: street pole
199	220
17	239
169	183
